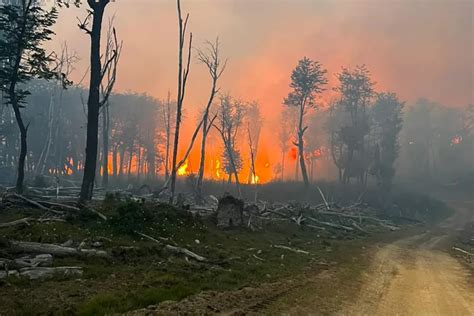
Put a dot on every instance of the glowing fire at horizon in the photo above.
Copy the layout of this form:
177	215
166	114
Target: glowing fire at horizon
183	170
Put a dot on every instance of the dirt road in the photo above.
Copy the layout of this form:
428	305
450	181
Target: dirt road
413	276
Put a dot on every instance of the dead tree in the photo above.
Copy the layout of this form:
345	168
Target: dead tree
64	66
183	73
111	72
167	122
95	100
307	80
254	127
284	135
212	61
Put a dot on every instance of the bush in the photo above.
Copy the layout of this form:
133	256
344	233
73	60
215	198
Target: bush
130	217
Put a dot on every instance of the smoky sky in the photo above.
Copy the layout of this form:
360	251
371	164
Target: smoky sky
414	48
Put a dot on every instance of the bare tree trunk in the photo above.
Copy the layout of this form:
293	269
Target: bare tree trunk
182	78
114	162
167	117
23	144
301	131
105	145
93	102
212	61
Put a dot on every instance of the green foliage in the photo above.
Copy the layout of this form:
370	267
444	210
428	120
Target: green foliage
388	123
307	80
24	28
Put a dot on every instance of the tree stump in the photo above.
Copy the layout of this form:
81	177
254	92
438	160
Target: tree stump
230	212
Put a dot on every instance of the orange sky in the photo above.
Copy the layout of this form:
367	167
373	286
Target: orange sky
415	48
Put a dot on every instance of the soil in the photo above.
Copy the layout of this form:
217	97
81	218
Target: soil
413	275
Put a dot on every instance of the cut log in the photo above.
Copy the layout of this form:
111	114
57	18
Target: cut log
42	260
42	272
55	250
36	204
291	249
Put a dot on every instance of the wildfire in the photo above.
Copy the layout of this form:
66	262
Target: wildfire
183	170
293	153
456	140
254	179
218	168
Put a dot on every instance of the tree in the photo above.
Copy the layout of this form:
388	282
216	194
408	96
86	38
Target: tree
307	80
111	73
254	127
229	120
25	27
183	73
356	89
212	61
387	114
96	99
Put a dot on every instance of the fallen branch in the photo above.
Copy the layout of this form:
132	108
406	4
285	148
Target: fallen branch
36	204
258	258
176	250
291	249
323	197
337	226
464	251
27	220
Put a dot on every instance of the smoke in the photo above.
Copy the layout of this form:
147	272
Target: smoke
414	48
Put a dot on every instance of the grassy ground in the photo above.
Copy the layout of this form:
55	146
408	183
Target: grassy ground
141	273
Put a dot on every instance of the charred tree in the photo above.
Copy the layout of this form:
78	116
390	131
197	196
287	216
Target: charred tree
95	100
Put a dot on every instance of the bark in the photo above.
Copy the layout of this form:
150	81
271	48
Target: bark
105	145
182	78
301	131
93	102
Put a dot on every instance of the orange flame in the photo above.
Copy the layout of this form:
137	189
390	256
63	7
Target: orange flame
183	170
254	179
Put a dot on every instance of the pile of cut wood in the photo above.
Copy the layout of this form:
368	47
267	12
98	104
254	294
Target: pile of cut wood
36	259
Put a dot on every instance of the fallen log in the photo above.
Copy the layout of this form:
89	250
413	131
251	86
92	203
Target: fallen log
42	272
291	249
42	260
27	220
55	250
23	221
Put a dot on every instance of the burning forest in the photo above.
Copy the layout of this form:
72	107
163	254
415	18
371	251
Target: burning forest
192	158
